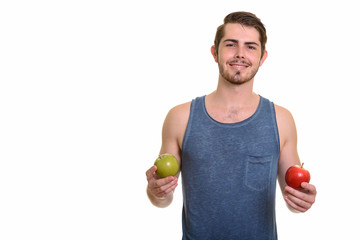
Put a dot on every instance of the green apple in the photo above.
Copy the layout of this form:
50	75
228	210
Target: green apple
167	165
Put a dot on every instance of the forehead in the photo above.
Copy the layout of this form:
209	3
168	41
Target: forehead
241	32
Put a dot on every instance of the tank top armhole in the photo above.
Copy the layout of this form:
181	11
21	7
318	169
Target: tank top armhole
276	130
188	126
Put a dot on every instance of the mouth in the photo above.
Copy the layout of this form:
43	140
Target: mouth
239	65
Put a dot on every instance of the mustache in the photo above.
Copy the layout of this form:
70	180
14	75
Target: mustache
236	61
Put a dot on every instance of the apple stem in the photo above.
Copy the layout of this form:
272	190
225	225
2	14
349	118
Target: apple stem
302	165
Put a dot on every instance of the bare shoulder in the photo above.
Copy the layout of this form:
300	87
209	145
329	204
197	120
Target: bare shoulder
283	116
286	124
175	125
180	113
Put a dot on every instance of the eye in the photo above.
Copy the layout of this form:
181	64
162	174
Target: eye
252	48
229	45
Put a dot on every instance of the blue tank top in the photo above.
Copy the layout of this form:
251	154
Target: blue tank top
229	173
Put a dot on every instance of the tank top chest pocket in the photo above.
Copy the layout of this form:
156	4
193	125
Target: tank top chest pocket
258	167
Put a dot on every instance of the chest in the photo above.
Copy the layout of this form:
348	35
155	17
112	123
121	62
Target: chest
231	114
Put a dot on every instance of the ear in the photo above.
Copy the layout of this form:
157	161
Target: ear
214	54
262	60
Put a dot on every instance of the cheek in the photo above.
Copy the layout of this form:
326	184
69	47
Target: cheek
224	57
255	59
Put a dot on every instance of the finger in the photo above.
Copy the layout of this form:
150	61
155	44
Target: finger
158	183
305	195
170	186
161	188
294	205
150	172
302	194
297	203
165	190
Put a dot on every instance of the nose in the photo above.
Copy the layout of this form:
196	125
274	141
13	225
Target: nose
240	53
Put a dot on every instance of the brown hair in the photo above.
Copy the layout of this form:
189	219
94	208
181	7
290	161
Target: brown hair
246	19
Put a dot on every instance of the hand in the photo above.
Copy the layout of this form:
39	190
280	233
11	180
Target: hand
300	200
160	187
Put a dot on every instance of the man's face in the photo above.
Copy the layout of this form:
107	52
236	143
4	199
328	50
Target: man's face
239	53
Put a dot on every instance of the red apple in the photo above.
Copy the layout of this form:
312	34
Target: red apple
295	175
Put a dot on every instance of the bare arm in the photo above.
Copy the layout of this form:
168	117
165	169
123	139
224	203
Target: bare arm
160	191
297	201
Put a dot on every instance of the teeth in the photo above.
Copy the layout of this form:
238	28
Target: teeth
237	65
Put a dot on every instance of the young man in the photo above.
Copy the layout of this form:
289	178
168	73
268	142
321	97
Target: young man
232	146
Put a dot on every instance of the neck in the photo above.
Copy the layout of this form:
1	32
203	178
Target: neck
233	95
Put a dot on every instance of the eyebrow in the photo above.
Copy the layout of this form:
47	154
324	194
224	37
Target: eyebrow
236	41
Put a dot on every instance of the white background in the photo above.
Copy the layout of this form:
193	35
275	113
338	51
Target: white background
85	87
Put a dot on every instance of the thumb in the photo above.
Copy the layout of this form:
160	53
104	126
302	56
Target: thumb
150	173
309	187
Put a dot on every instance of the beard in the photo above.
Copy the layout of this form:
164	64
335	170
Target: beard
238	77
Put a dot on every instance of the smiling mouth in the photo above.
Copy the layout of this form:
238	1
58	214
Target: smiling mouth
238	66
